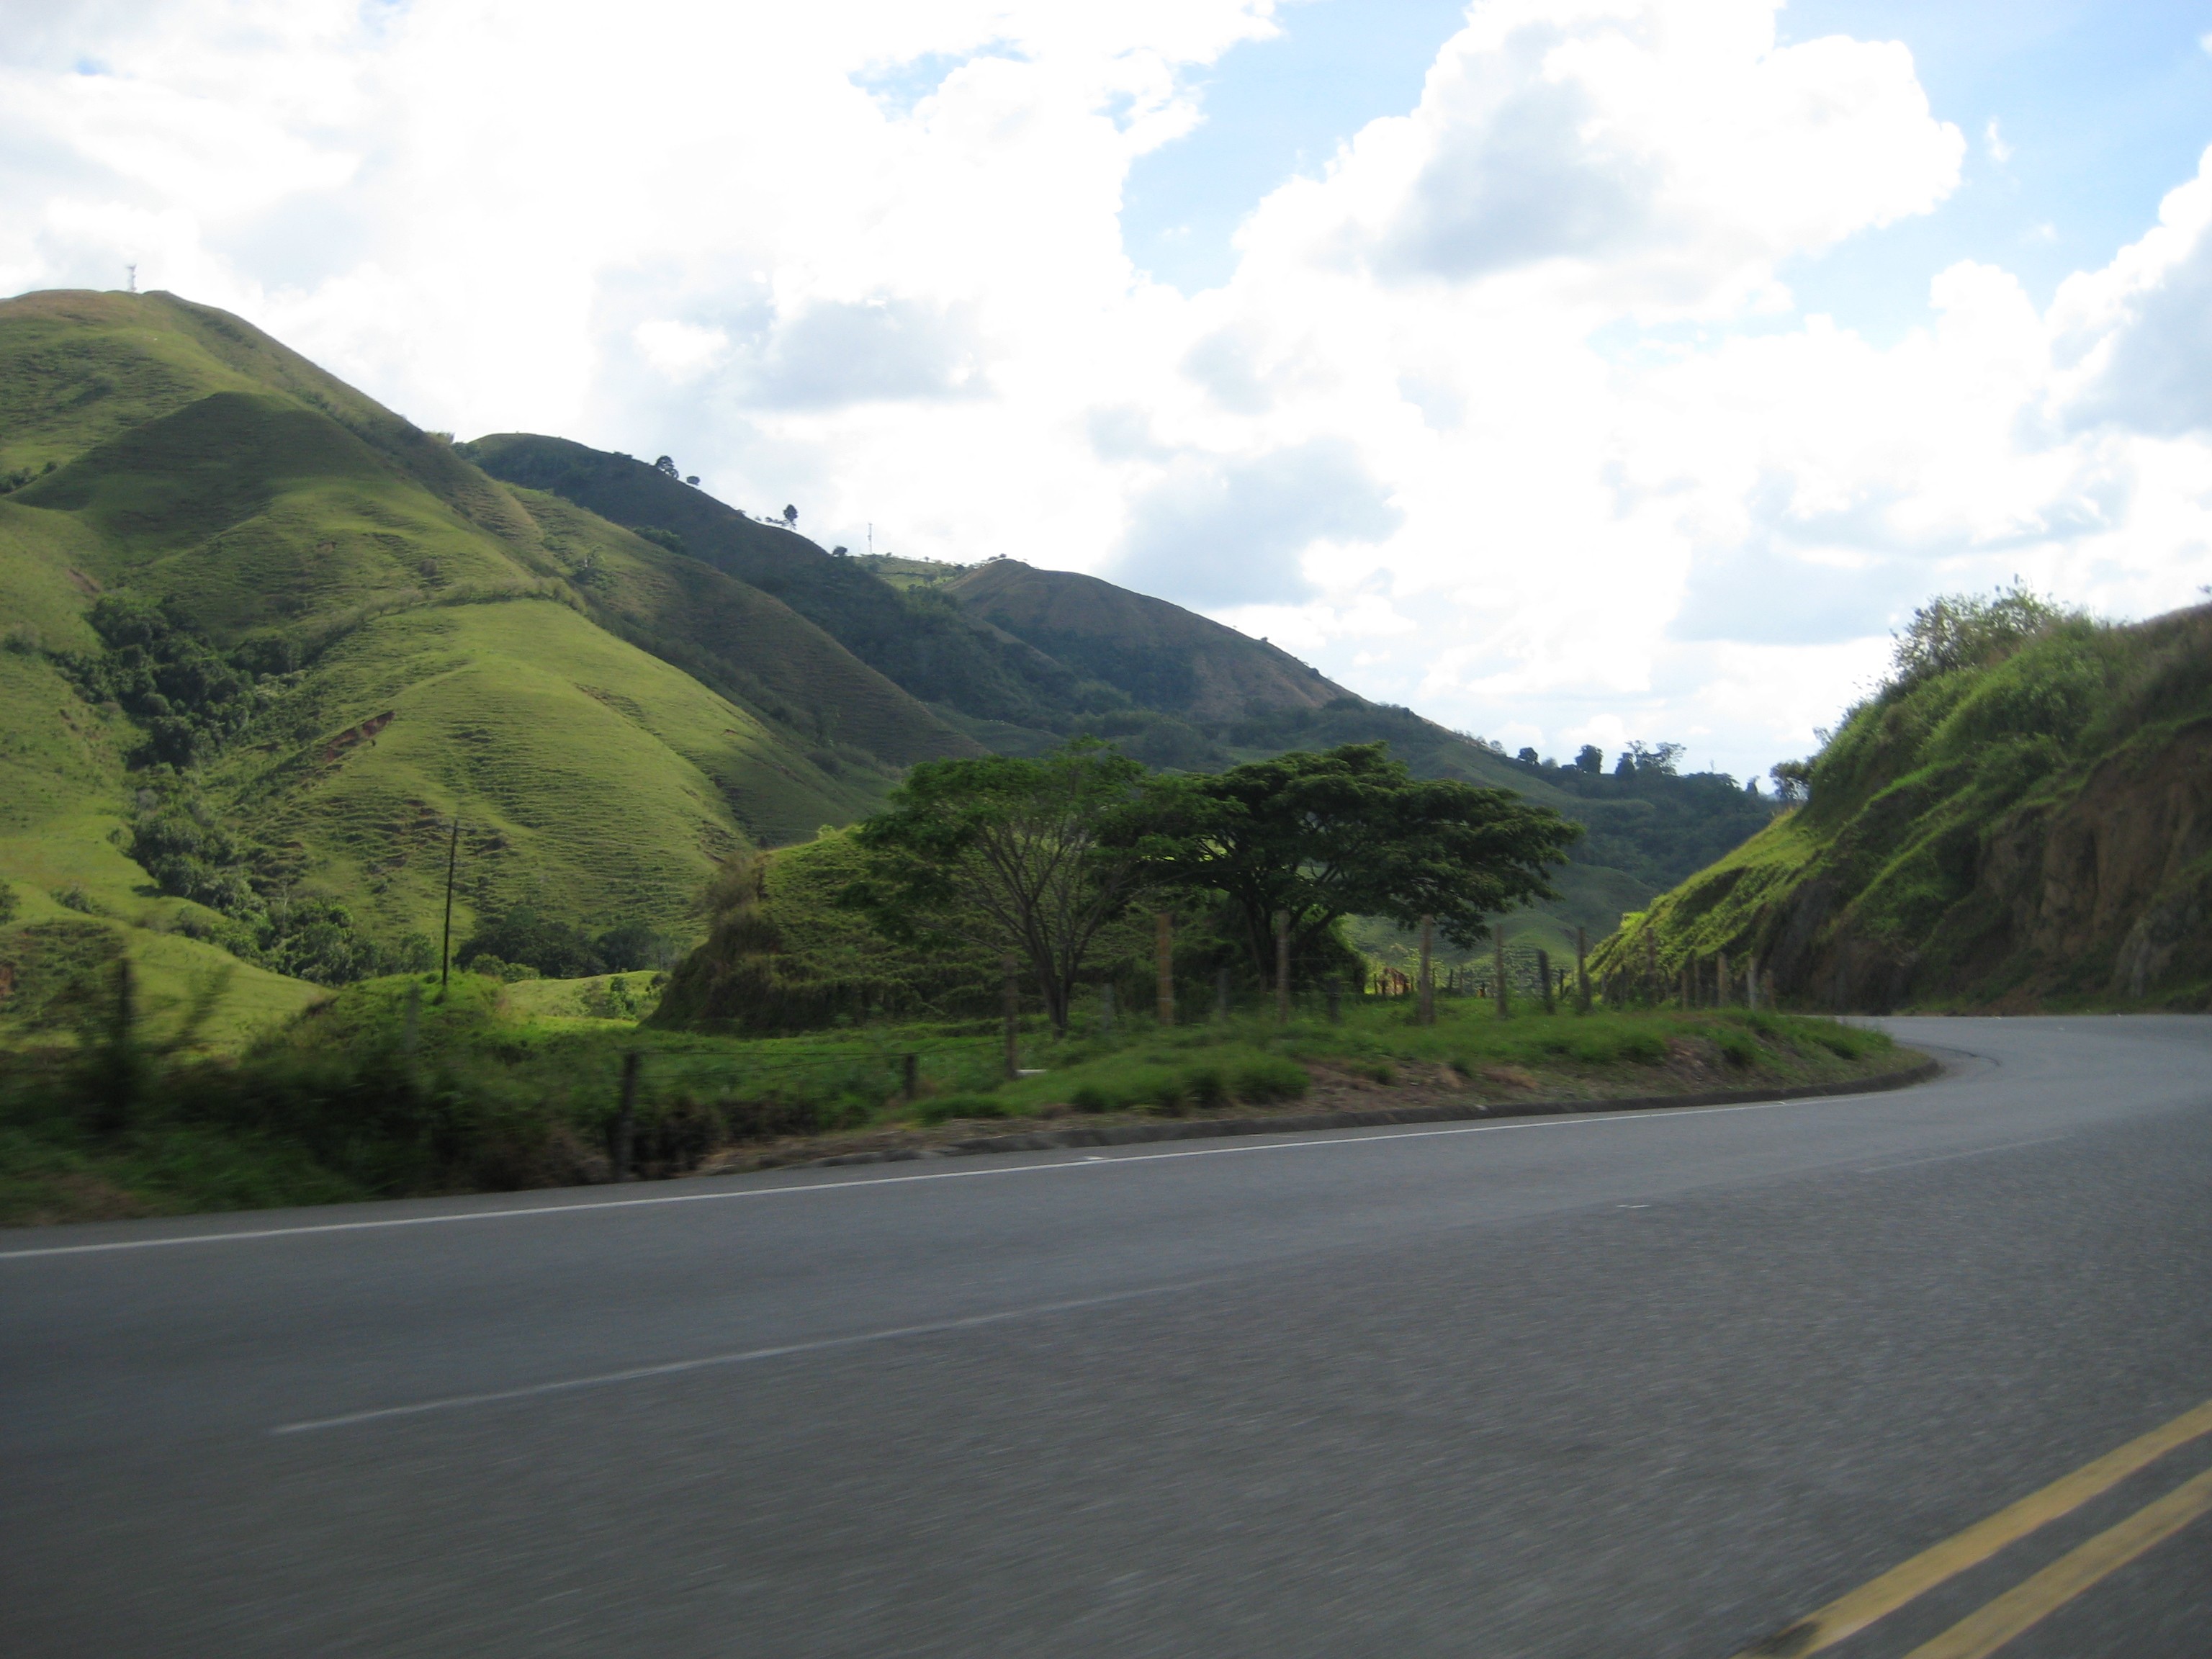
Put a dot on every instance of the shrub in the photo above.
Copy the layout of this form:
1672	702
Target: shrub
1738	1047
1271	1078
1164	1091
1645	1048
1207	1086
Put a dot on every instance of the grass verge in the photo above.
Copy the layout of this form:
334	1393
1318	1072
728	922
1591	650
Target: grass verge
390	1089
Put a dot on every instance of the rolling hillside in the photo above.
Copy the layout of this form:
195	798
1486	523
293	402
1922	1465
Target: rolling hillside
1017	658
263	638
266	628
1159	654
2032	829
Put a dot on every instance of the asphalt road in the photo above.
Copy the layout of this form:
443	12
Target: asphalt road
1641	1386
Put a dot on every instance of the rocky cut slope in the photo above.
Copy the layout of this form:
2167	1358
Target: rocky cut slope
2030	829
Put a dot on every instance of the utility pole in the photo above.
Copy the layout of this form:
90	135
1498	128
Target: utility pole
445	950
1543	976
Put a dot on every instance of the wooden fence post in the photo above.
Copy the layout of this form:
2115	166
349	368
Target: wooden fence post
626	1114
1544	976
1498	952
1282	967
1428	970
1163	963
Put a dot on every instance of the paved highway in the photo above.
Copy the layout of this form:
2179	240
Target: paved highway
1649	1385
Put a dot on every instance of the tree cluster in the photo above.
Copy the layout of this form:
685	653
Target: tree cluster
547	947
191	698
1040	858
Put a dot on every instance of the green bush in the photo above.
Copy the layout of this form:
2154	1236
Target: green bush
1207	1086
1091	1098
1162	1091
1271	1078
1644	1047
1738	1047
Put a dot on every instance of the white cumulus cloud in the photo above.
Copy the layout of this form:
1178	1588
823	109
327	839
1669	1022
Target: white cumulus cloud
1507	411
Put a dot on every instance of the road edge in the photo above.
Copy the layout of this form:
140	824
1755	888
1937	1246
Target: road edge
1132	1134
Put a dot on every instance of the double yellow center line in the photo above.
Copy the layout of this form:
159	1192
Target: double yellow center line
1984	1631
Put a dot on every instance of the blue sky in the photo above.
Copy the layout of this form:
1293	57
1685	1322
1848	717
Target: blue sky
2104	108
1598	370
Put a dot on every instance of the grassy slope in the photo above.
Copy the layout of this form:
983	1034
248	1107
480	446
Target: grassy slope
925	644
2037	832
1014	658
739	639
200	463
1162	655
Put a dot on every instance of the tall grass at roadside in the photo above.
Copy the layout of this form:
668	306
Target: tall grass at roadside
389	1089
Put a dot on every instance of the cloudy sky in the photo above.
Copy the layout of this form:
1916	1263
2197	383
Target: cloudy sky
1572	371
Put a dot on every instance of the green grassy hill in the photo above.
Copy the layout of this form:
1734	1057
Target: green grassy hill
1017	658
918	640
1161	655
263	638
2030	829
255	619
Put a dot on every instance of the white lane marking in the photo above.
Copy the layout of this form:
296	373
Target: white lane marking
678	1366
1579	1120
1971	1152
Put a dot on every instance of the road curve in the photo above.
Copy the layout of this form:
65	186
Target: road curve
1649	1385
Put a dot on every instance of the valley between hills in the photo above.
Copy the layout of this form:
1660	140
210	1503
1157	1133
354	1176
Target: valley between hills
342	630
307	705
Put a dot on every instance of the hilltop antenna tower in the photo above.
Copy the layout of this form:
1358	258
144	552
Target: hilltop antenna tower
131	273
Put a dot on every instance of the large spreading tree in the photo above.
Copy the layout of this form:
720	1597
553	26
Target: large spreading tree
1036	857
1352	832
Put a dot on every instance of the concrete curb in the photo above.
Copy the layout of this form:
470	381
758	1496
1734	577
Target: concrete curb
1132	1134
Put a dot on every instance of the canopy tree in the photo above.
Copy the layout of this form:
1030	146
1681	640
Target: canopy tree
1349	831
1034	857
